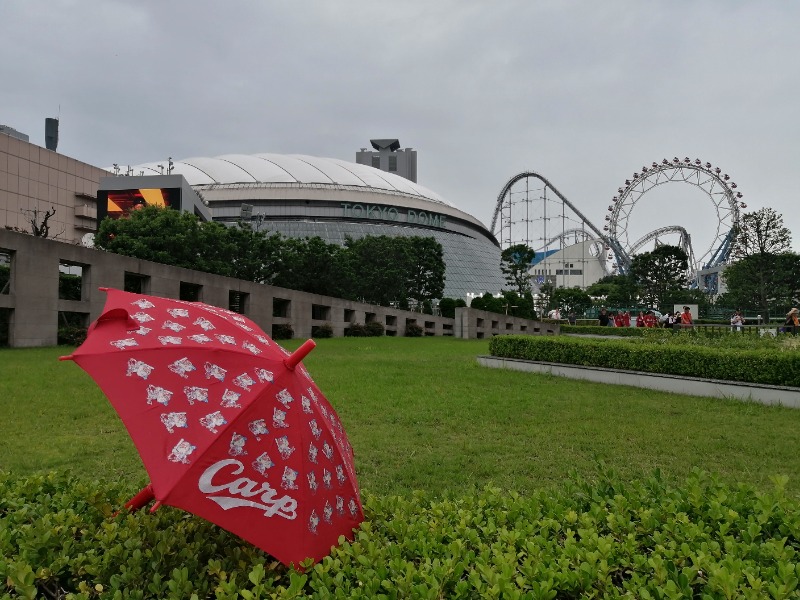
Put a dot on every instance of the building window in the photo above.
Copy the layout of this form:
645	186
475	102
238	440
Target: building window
238	301
190	292
376	162
5	271
136	283
71	280
393	164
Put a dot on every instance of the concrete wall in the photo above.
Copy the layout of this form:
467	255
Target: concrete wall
471	323
33	297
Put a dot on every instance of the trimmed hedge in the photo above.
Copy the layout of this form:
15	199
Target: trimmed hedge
752	365
605	538
598	330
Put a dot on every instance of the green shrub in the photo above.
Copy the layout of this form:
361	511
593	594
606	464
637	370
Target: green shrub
601	538
322	331
356	330
413	330
71	335
375	329
282	331
598	330
668	353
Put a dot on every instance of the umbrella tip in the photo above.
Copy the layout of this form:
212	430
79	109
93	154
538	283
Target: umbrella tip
295	357
155	506
103	289
67	357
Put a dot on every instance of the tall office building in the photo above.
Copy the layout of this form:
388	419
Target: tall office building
389	157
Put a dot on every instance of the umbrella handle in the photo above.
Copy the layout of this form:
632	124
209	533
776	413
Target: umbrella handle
142	498
295	357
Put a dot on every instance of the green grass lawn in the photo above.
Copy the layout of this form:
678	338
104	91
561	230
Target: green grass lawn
422	415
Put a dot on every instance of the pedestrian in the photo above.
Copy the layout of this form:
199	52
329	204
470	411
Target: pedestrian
571	318
686	317
640	319
737	320
671	320
603	318
792	324
626	319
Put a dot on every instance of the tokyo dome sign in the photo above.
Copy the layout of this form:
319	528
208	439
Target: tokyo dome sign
393	213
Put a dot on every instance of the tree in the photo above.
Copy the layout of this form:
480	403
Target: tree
767	284
544	301
426	266
312	265
659	272
615	290
515	262
571	300
384	269
40	223
448	306
758	281
760	233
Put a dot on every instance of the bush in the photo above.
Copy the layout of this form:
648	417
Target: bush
322	331
751	361
282	331
71	335
598	330
413	330
356	330
607	537
375	329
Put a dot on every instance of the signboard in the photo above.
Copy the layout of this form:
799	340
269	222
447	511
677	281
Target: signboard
118	204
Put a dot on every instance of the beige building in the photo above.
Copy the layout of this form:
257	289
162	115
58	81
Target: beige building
34	180
579	265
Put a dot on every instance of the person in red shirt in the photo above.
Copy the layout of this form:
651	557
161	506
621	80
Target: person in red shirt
640	320
650	320
626	319
686	317
619	320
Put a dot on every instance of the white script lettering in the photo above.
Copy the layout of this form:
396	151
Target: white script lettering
285	506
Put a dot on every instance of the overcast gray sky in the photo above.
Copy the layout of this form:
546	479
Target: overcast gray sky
584	93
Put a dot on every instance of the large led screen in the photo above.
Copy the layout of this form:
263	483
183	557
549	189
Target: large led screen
118	204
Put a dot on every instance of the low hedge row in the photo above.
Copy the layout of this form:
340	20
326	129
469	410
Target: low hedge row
598	330
758	365
604	538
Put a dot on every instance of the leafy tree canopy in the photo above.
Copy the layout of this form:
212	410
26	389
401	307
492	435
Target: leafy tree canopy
515	262
760	233
617	290
570	300
767	284
379	269
658	272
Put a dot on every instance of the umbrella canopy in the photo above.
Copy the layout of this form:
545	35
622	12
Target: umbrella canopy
229	425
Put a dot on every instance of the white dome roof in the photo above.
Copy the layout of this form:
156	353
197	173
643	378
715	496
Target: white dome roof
288	168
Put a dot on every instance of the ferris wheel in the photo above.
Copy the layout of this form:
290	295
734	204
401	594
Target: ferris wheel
717	186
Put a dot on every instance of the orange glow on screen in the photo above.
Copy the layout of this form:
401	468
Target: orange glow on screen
121	203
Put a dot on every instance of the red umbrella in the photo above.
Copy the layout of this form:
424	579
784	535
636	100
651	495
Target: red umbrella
229	425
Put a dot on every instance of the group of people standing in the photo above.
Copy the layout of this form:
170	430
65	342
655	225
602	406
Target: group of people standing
646	319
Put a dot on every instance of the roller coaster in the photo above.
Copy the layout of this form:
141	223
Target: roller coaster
530	210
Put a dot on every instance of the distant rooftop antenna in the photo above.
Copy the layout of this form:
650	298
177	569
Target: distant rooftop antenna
170	166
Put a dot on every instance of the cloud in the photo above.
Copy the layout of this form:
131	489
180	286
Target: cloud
584	93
